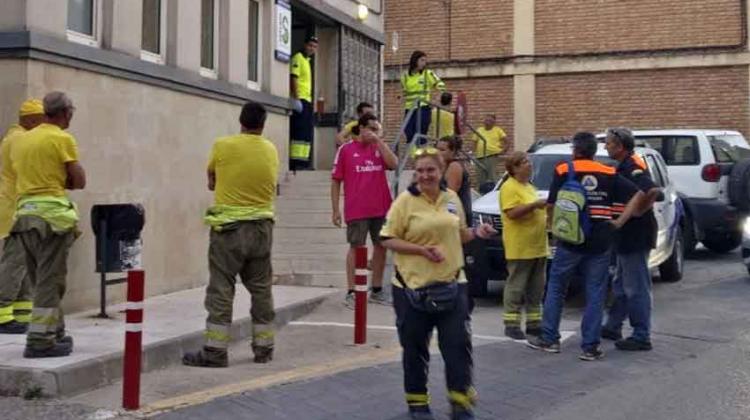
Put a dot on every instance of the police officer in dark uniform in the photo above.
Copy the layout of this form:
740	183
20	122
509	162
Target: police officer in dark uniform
604	187
632	283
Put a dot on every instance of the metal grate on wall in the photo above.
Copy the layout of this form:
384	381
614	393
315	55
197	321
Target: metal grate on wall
360	72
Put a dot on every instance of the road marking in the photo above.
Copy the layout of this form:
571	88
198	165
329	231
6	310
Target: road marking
565	334
375	357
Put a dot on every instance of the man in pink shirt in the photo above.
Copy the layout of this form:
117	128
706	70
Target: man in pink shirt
360	165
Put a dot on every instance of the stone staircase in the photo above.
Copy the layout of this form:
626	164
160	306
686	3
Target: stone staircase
308	250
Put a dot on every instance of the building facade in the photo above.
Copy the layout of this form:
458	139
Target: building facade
548	68
155	81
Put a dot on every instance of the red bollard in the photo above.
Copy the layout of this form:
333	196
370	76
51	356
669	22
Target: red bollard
360	295
131	366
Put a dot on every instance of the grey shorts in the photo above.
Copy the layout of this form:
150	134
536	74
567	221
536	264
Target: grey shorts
356	231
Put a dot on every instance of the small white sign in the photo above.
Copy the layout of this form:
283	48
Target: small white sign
283	30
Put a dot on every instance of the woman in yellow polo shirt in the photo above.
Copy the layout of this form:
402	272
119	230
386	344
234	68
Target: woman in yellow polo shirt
525	241
425	227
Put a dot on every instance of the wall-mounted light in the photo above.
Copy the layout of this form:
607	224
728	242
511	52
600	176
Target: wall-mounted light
362	12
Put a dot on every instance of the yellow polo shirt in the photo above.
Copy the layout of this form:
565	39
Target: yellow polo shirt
8	181
246	167
300	67
524	238
446	121
38	158
495	138
348	127
419	220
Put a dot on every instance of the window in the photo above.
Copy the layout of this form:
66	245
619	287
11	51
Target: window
676	150
653	169
209	37
82	21
153	36
253	67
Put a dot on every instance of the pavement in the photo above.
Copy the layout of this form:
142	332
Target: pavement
173	323
699	368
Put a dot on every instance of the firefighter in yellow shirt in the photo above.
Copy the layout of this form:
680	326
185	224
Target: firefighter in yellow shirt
301	122
15	285
346	133
46	164
493	137
242	171
442	120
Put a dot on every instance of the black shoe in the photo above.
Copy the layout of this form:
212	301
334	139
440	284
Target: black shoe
67	340
421	412
539	343
613	335
206	358
515	333
56	350
262	354
591	355
536	332
631	344
14	327
461	413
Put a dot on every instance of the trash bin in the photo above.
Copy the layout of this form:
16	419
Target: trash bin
118	236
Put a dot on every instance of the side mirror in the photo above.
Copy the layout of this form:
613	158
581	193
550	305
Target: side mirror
486	187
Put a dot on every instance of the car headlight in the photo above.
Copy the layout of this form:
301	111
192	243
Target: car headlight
747	226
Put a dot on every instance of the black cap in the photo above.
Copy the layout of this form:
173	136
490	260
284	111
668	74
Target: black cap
312	38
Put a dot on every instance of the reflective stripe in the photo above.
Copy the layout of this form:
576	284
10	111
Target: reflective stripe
217	335
299	150
133	306
24	319
511	315
23	305
361	272
360	288
263	335
44	320
464	399
131	327
6	314
417	399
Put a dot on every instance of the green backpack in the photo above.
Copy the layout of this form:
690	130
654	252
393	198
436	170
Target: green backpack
570	218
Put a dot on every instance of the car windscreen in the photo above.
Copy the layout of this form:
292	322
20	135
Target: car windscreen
544	168
729	148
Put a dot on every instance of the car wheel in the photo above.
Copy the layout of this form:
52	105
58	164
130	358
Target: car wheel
723	243
739	185
689	241
671	270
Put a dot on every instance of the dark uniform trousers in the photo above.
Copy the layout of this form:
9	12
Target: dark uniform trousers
454	339
243	248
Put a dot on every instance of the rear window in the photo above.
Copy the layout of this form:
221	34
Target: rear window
676	150
544	168
729	148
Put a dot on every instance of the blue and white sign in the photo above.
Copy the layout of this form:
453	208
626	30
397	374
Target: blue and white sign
283	30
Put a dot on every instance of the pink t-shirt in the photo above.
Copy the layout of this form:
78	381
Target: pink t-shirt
361	168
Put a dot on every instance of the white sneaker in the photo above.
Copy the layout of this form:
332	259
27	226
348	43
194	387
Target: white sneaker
380	298
349	301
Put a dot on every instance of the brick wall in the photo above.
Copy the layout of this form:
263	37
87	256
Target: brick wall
686	98
576	26
478	29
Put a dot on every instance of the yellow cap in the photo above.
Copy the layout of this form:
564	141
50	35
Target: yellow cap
31	107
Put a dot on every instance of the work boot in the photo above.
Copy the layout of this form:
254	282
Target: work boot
14	327
56	350
613	335
208	357
262	354
420	412
631	344
515	333
459	412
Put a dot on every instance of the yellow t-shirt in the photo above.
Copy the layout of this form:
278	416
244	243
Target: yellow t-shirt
419	220
246	167
523	238
38	158
300	67
447	123
8	181
348	127
495	141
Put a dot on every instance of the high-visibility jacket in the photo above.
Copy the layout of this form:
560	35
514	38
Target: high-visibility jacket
59	212
301	69
418	86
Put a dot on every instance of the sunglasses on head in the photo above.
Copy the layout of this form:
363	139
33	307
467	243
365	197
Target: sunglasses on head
425	151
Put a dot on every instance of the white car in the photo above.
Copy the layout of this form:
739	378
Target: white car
711	170
746	244
485	259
